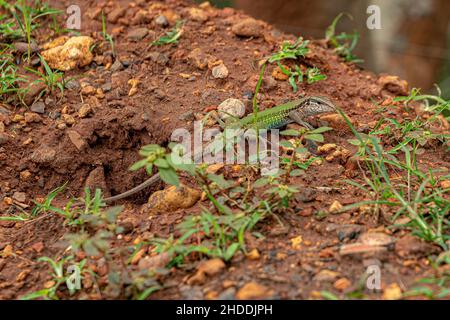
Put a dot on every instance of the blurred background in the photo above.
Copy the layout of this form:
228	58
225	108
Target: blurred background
413	42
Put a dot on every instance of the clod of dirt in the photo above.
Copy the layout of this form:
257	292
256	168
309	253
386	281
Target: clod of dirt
326	276
137	34
157	262
253	290
96	180
73	53
38	107
84	110
206	268
22	47
412	246
248	27
200	59
173	198
77	140
220	71
43	154
392	292
32	91
197	14
394	85
231	108
336	121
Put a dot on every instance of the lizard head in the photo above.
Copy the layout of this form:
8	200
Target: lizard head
317	105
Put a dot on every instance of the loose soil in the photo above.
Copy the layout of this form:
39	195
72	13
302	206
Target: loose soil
171	86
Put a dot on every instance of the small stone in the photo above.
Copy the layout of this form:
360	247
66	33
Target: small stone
394	85
116	66
68	119
22	47
197	14
25	175
200	59
38	247
392	292
76	52
296	242
162	21
326	276
253	255
72	84
96	180
210	268
253	290
84	110
342	284
31	117
76	139
38	107
134	87
220	71
43	154
88	90
158	57
231	107
335	207
137	34
20	196
248	27
173	198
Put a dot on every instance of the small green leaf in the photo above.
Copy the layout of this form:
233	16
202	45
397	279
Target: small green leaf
314	137
290	132
138	165
161	163
321	130
169	176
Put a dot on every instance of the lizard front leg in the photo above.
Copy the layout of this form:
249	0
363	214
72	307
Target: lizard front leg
298	118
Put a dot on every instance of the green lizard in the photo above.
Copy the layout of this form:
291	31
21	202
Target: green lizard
273	118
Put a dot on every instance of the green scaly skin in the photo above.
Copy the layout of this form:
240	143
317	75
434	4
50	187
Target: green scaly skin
273	118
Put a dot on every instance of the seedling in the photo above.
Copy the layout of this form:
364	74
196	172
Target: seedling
344	43
107	36
171	36
52	79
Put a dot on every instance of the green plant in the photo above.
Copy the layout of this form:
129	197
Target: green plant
25	20
297	147
171	36
343	43
107	36
60	277
8	72
418	195
52	79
